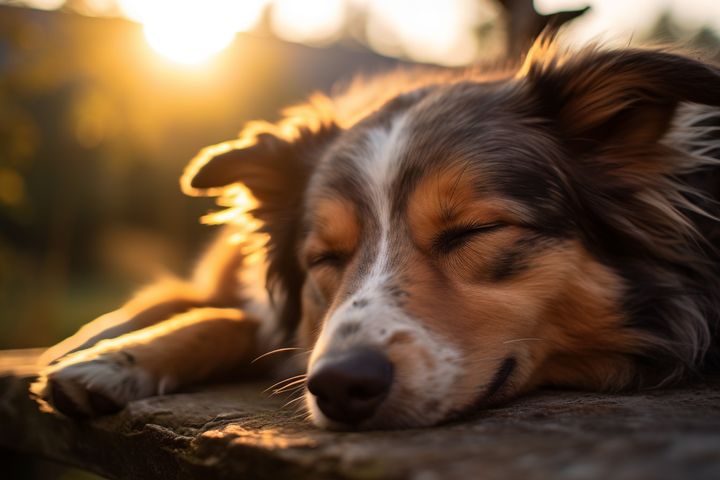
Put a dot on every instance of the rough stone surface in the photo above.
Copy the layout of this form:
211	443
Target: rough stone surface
240	432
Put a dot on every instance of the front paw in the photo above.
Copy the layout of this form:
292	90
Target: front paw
92	383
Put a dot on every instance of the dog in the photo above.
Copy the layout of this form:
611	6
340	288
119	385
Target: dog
434	242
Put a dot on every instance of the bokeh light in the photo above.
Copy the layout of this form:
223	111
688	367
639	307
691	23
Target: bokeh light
47	4
449	32
425	30
620	21
192	31
309	21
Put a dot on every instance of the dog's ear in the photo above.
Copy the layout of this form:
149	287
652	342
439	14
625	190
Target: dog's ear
271	160
273	168
254	160
274	161
622	97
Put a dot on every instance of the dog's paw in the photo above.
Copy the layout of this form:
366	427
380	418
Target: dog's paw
90	384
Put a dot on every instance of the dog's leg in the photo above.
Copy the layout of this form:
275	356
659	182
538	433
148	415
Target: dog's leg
214	283
189	348
149	307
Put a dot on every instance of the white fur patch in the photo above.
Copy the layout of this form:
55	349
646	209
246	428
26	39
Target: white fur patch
379	162
380	318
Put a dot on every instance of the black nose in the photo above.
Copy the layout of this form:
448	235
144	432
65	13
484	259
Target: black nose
350	385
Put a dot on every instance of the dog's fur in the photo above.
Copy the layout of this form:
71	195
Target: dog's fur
490	233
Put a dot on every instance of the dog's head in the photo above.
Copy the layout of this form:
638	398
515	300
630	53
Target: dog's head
465	241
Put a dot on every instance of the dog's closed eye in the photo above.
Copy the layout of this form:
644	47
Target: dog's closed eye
330	258
455	237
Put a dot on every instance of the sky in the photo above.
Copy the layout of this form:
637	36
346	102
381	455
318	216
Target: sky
444	32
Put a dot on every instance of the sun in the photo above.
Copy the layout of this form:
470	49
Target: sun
186	45
192	31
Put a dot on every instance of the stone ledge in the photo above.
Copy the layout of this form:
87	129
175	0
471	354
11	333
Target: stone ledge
236	431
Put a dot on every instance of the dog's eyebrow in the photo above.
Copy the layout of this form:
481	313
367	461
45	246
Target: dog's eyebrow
314	222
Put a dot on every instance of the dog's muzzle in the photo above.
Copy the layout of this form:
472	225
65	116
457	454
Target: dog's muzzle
349	385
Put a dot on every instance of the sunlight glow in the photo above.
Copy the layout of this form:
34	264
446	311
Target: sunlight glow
311	21
442	32
425	30
620	21
46	4
192	31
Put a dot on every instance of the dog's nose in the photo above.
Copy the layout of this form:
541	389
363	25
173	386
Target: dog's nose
350	385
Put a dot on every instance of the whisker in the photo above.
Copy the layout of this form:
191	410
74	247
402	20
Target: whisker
289	391
487	359
303	352
294	385
277	350
300	411
529	339
300	417
294	400
290	379
290	386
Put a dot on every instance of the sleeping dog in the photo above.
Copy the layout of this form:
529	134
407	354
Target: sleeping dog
435	242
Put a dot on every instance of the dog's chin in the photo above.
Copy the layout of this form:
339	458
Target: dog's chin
379	422
391	419
390	416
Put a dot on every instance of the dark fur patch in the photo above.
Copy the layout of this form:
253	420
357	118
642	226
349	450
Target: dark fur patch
518	257
361	303
348	329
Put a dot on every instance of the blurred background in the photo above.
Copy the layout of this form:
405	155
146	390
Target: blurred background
102	102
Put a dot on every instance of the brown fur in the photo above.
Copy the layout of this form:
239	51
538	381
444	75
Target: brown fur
554	225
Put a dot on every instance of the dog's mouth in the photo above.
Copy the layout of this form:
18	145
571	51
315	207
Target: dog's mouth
494	394
501	378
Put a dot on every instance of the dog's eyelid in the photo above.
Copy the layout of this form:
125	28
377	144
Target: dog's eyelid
454	237
325	258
